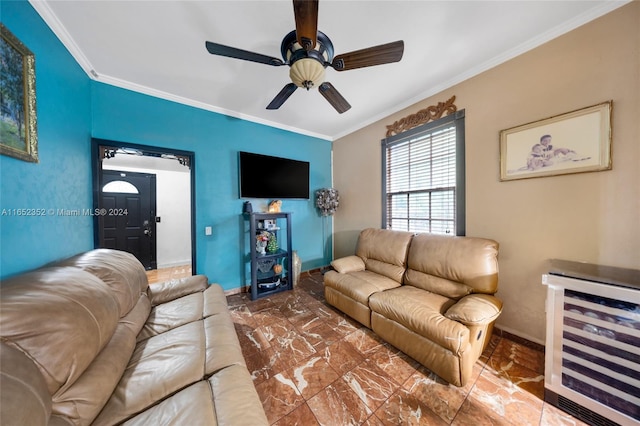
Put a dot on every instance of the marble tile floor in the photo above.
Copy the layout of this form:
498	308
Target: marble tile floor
167	274
312	365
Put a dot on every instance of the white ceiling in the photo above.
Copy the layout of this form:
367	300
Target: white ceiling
158	48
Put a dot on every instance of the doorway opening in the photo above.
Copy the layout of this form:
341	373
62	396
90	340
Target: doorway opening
144	198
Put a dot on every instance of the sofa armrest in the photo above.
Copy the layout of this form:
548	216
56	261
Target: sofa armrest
344	265
475	309
174	289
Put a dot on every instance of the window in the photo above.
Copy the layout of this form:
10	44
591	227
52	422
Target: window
120	186
423	178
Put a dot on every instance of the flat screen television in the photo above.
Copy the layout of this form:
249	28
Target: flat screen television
264	176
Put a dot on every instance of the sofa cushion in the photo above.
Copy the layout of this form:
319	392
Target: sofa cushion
81	402
359	285
384	251
438	285
120	270
227	398
185	309
173	289
170	315
348	264
235	397
223	347
191	406
61	317
159	366
453	266
423	313
24	397
475	309
215	301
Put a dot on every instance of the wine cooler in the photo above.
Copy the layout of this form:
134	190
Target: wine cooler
592	357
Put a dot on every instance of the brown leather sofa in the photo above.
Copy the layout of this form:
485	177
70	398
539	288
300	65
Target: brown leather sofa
87	341
431	296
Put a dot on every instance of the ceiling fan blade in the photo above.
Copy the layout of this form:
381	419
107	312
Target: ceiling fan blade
282	96
376	55
334	97
232	52
306	15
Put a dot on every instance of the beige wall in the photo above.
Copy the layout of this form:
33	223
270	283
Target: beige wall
592	217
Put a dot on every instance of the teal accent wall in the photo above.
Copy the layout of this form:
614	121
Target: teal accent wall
61	180
72	109
216	139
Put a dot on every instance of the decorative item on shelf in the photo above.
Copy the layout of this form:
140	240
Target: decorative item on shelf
327	200
297	265
277	269
272	243
265	265
275	206
247	207
262	239
269	286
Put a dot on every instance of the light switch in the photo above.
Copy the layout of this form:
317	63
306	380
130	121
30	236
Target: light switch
208	230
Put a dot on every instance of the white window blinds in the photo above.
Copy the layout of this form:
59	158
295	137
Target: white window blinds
420	188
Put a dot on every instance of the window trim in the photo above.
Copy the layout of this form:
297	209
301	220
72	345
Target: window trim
456	119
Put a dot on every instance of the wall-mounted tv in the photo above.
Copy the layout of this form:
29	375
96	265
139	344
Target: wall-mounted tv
264	176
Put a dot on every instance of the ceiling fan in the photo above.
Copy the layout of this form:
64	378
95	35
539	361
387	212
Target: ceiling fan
308	52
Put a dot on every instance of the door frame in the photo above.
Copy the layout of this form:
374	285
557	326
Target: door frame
102	148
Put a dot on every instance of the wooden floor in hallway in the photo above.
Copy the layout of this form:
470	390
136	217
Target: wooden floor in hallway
167	274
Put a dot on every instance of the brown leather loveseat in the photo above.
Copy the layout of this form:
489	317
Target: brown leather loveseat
87	341
431	296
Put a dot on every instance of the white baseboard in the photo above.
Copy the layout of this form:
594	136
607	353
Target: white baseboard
174	264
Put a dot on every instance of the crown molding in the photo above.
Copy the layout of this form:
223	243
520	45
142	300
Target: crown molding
52	21
124	84
567	26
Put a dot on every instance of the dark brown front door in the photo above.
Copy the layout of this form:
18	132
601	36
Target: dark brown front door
126	214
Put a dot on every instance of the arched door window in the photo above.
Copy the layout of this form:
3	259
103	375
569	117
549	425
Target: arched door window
120	186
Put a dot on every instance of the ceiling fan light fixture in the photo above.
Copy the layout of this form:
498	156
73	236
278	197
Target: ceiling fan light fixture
308	52
307	73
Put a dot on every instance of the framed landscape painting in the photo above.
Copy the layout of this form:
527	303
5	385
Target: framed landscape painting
575	142
18	129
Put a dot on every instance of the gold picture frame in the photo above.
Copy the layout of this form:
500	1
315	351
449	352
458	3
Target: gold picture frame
576	142
18	126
